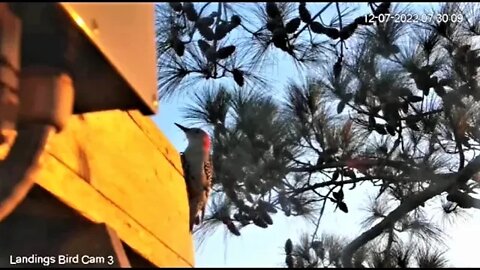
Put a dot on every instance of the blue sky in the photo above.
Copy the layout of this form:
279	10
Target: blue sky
263	247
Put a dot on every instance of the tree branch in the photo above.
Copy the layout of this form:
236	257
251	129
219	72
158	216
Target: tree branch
458	144
471	169
215	41
328	183
464	200
408	205
358	162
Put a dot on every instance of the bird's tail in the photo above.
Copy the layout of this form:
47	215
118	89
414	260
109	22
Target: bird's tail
193	215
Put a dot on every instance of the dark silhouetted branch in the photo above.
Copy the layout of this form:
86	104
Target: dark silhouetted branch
408	205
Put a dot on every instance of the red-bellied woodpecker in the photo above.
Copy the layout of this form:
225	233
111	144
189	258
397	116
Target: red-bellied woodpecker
198	171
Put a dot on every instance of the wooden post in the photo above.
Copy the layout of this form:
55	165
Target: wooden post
45	232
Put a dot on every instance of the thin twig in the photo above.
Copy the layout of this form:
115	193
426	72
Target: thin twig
314	235
250	31
294	37
339	16
215	41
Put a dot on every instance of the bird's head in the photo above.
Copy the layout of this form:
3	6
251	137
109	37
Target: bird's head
196	136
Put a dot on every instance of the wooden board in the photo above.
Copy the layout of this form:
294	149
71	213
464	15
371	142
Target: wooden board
118	168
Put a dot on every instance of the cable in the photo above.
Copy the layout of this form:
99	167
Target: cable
18	170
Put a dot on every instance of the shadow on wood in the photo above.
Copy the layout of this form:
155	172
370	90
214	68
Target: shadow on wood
44	232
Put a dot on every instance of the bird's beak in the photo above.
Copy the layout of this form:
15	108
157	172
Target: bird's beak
185	129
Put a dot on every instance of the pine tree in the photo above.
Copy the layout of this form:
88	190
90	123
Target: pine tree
393	104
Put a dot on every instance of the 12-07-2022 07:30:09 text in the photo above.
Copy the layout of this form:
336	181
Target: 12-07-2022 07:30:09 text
414	18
